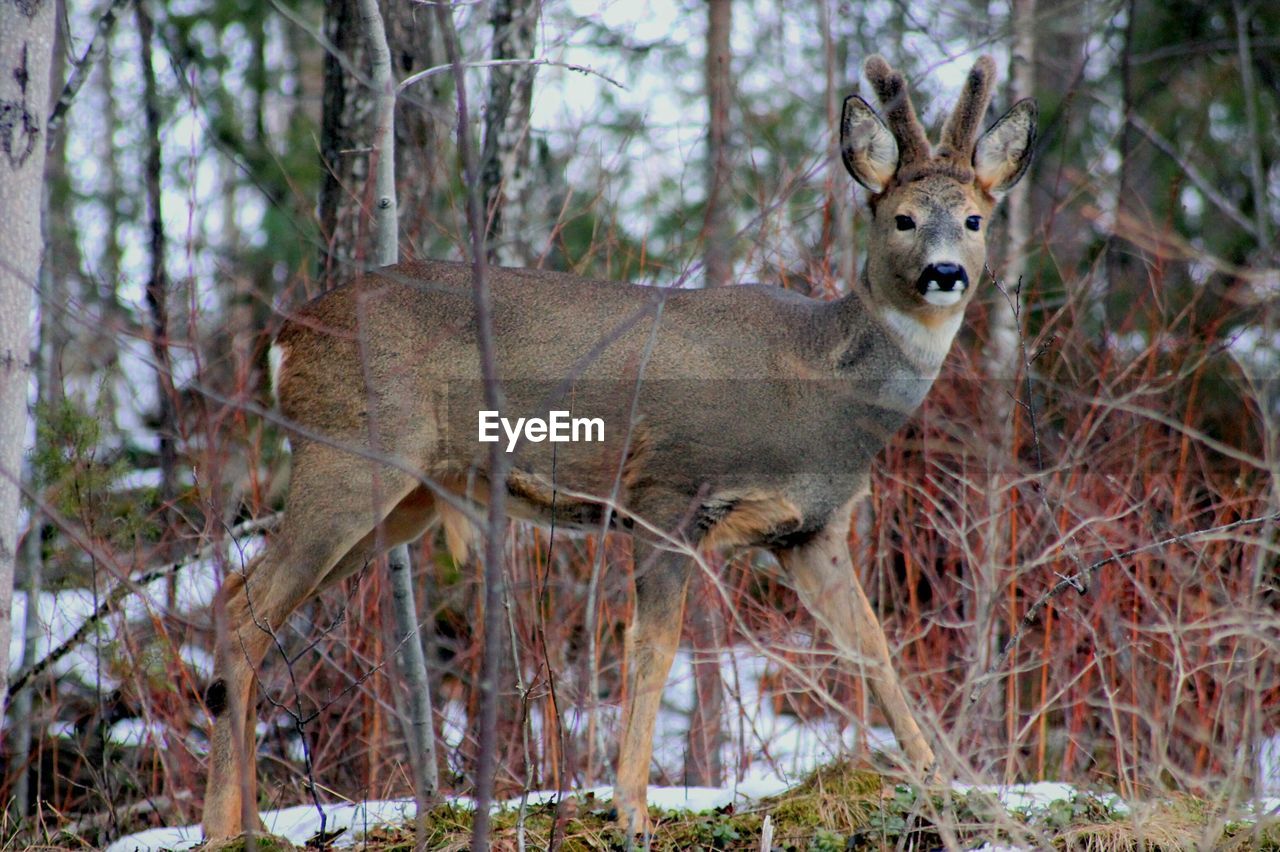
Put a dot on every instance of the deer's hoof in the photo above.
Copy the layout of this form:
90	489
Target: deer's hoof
259	842
633	818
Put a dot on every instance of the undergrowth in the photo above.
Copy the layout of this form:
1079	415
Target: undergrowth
843	807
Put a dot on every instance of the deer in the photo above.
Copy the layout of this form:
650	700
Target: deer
735	417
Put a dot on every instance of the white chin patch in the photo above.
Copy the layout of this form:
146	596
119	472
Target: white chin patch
942	298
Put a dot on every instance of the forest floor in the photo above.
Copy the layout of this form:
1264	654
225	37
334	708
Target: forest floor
842	806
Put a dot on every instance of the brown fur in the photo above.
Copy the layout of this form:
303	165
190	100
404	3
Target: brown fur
891	90
961	129
752	520
756	424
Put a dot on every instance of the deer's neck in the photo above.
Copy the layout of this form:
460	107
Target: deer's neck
889	356
924	341
916	341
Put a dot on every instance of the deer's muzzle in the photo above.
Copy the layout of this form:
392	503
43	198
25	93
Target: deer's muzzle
943	284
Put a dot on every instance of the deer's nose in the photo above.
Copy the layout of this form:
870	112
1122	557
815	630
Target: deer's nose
943	283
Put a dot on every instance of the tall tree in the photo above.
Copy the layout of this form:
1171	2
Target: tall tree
706	735
504	162
420	730
717	230
367	173
158	295
26	51
346	213
1002	363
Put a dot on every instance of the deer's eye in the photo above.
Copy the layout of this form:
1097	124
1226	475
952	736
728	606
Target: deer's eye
973	223
905	223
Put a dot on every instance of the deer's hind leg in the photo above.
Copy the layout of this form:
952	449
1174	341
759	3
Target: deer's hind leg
336	501
405	523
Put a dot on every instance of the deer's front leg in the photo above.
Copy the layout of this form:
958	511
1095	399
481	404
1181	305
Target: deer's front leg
821	571
652	637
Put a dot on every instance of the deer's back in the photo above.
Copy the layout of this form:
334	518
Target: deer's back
731	394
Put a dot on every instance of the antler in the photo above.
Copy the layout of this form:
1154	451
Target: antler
961	129
891	89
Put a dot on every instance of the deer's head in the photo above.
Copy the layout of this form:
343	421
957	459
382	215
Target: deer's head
931	207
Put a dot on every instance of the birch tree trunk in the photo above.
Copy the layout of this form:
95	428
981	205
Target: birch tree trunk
26	50
1002	348
348	127
420	728
1002	362
360	218
504	166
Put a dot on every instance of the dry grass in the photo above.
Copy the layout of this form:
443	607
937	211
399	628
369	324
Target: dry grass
843	806
846	806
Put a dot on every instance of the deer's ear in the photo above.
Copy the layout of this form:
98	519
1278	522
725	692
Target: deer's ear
868	149
1002	154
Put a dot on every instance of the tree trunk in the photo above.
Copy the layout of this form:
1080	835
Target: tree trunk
26	50
504	168
347	203
1002	347
717	230
1003	356
837	240
360	218
1118	262
158	300
703	763
344	142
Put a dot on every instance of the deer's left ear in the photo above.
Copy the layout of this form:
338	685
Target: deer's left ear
867	147
1002	154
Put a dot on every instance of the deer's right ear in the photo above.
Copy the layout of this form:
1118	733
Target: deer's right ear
868	149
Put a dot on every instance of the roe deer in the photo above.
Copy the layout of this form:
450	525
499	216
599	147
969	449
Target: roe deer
734	417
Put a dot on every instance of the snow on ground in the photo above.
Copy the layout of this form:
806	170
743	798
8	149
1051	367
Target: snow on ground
302	823
779	751
61	613
1029	798
297	824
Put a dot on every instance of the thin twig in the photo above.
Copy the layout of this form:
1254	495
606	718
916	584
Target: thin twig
1032	615
1015	305
120	592
80	73
418	76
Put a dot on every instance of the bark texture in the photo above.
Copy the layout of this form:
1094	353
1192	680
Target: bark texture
703	764
348	128
717	230
26	50
504	167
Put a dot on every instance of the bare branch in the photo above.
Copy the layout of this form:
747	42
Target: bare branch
499	462
83	68
1081	579
418	76
1216	198
122	591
